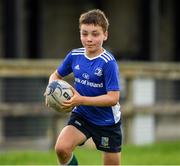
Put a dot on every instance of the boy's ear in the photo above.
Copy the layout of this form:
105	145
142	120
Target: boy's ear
105	35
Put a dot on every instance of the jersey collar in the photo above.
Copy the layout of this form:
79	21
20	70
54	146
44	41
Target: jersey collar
95	56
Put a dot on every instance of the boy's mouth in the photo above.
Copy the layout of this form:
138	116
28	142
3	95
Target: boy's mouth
89	45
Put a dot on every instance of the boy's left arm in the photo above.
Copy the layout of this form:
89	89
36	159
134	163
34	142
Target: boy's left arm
109	99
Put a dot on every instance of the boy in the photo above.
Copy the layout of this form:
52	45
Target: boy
96	110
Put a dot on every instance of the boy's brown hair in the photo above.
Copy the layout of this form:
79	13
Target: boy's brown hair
95	17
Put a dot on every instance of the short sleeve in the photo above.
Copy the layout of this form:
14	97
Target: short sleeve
66	67
111	76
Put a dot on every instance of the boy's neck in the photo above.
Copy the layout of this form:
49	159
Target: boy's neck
94	54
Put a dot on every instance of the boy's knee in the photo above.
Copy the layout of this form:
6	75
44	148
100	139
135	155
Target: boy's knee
62	150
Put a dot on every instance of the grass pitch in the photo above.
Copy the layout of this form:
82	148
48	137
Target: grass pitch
156	154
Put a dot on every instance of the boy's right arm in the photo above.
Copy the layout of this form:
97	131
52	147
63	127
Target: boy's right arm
54	76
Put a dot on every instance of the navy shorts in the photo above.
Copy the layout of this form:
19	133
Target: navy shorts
106	138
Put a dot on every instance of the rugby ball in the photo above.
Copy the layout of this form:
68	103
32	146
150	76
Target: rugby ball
56	93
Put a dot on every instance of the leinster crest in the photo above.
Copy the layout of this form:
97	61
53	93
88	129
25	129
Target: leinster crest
105	141
98	71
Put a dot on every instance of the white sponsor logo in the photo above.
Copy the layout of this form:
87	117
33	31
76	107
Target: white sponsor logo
88	83
86	76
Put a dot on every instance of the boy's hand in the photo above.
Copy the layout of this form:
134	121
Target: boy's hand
74	101
65	107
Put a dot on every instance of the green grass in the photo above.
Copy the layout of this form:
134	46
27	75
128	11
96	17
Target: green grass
156	154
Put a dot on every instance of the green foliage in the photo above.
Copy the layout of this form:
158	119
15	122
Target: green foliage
156	154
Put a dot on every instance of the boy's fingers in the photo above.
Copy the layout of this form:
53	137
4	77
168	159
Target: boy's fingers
73	90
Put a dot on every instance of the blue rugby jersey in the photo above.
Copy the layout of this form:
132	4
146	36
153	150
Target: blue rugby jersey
93	77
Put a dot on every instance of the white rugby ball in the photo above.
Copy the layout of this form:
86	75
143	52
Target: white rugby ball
57	92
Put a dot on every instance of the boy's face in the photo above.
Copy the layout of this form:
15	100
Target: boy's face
92	37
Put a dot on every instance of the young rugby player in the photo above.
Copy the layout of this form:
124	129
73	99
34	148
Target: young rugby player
96	110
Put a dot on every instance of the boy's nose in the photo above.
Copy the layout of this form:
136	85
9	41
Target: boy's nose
89	38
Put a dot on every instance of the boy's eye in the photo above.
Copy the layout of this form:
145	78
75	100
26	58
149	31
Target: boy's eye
84	34
95	34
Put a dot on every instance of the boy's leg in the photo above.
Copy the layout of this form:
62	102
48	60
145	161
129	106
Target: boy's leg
108	139
112	158
72	161
68	139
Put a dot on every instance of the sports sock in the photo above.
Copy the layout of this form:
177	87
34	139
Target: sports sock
72	161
